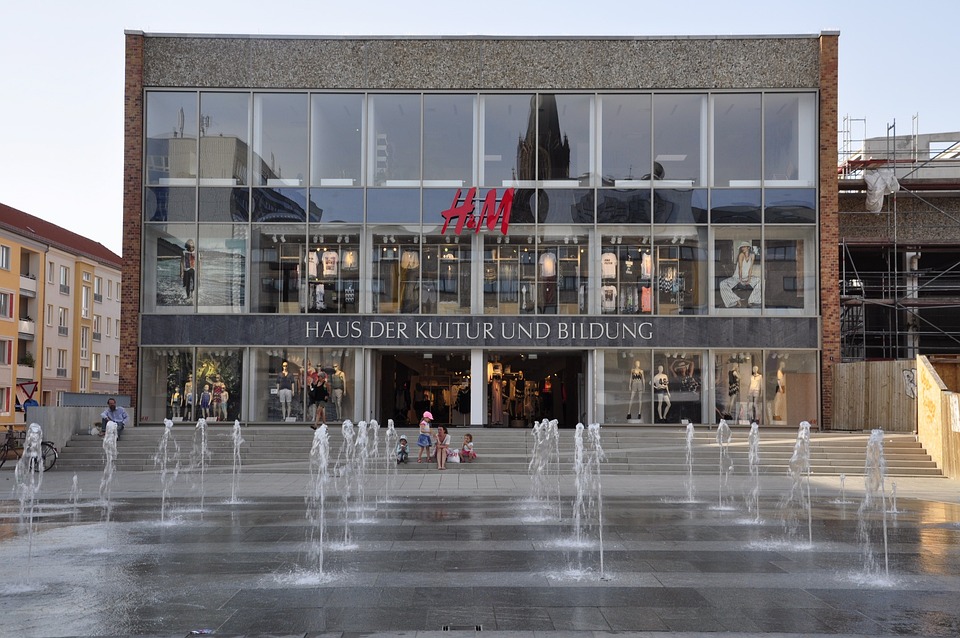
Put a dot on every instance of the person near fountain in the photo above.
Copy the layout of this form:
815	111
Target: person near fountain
442	447
637	381
114	413
466	451
661	390
756	385
285	382
319	396
402	453
424	442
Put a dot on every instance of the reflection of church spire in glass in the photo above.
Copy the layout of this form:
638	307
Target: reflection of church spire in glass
553	159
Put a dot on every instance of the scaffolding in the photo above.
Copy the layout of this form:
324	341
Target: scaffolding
900	286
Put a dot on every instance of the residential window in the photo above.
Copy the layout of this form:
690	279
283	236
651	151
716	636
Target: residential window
63	326
61	363
6	305
84	342
109	288
85	302
47	358
6	352
98	289
49	314
96	327
95	366
117	331
5	401
84	379
50	270
5	257
64	280
107	322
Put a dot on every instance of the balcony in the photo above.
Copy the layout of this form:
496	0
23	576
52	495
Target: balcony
26	329
28	286
63	331
25	372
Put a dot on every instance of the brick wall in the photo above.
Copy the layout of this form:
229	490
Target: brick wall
829	225
132	214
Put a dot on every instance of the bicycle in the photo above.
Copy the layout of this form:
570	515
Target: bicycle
13	442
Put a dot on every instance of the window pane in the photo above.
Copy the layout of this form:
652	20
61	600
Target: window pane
331	205
566	206
564	139
789	139
280	139
736	139
680	270
333	271
219	388
680	206
394	158
735	206
337	141
790	206
448	140
738	268
224	125
335	365
508	126
790	265
677	387
164	204
738	393
628	206
221	268
224	204
279	205
679	125
393	205
278	252
451	276
277	384
625	386
169	267
171	153
625	121
166	386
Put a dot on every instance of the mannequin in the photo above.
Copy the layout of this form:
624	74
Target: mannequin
206	400
176	403
188	397
285	383
780	398
661	389
733	392
637	382
742	278
496	399
338	385
756	384
218	390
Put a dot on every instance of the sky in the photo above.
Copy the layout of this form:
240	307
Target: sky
61	85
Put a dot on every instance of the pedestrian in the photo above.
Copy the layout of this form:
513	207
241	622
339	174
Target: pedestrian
424	441
443	444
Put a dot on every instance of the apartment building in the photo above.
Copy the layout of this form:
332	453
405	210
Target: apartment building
59	314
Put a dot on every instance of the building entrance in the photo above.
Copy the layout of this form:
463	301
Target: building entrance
513	390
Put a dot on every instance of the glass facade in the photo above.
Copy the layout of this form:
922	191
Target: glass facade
631	206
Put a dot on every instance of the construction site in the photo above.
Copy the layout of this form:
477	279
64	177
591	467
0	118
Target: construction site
899	202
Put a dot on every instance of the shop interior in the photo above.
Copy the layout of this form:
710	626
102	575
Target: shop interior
519	388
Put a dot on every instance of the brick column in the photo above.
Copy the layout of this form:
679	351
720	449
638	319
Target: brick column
829	224
132	215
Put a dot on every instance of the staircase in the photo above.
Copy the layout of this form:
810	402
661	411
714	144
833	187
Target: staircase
629	450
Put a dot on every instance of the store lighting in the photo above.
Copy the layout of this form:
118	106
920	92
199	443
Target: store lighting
274	239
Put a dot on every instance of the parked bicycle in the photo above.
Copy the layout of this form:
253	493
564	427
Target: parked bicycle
13	444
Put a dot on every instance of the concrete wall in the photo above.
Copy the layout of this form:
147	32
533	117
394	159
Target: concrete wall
938	424
59	424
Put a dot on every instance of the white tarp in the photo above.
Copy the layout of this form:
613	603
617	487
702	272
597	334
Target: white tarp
880	182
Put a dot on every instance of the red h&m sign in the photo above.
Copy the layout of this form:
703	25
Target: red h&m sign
490	213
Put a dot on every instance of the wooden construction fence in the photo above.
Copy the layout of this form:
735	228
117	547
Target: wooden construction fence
875	394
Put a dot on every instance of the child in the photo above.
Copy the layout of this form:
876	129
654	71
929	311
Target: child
466	452
402	450
423	441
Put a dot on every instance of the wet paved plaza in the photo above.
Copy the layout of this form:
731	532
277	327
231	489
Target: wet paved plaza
462	550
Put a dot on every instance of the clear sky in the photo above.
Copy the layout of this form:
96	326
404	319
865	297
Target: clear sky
61	151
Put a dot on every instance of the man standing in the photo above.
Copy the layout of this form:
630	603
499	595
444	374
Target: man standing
113	413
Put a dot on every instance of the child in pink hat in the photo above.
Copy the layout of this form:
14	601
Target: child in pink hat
424	441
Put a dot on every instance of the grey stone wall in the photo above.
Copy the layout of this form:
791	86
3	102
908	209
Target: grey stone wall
59	424
928	218
481	62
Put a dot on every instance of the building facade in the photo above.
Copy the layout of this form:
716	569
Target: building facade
53	314
499	230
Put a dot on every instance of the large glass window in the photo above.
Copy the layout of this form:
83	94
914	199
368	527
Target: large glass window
224	138
280	139
334	368
279	261
221	268
333	272
739	390
393	158
679	137
736	139
219	385
277	385
171	152
564	141
447	275
625	138
509	126
791	266
626	392
448	153
738	268
336	151
677	387
789	139
169	267
167	388
680	270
